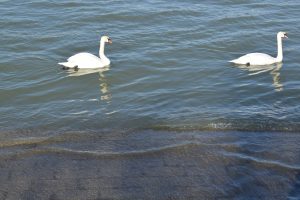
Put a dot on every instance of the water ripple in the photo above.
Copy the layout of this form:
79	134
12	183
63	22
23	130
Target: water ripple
169	65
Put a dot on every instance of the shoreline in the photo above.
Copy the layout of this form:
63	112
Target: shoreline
152	165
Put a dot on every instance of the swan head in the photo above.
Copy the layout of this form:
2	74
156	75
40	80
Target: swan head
106	39
282	34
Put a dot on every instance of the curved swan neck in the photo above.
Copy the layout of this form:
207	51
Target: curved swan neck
101	50
279	49
102	56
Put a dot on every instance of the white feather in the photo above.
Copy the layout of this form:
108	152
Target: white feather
261	58
87	60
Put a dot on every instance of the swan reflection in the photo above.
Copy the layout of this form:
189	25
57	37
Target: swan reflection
105	94
104	88
82	72
273	69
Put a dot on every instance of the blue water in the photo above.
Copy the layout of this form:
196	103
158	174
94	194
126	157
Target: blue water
169	65
169	74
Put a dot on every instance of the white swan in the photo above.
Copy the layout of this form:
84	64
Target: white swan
261	58
87	60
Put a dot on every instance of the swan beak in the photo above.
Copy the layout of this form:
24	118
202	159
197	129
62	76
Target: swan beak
109	41
285	36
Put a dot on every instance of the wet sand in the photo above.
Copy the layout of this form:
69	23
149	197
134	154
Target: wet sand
150	165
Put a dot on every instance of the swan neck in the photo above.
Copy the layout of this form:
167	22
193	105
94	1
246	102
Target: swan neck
102	56
101	50
279	50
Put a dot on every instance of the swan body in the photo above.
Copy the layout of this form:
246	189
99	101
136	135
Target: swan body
89	61
255	59
261	58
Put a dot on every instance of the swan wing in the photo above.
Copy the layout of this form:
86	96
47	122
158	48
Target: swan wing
85	60
255	59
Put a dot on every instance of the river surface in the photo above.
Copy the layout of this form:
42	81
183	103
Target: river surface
170	118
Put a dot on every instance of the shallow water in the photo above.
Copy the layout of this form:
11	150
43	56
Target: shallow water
169	79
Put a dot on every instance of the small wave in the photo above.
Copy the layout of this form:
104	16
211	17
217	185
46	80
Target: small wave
80	112
52	139
112	112
98	154
271	163
241	125
21	142
93	100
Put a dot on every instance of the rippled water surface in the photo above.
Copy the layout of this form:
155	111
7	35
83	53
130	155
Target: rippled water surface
162	120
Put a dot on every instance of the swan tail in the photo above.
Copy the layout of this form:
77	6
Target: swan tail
233	61
67	64
240	61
